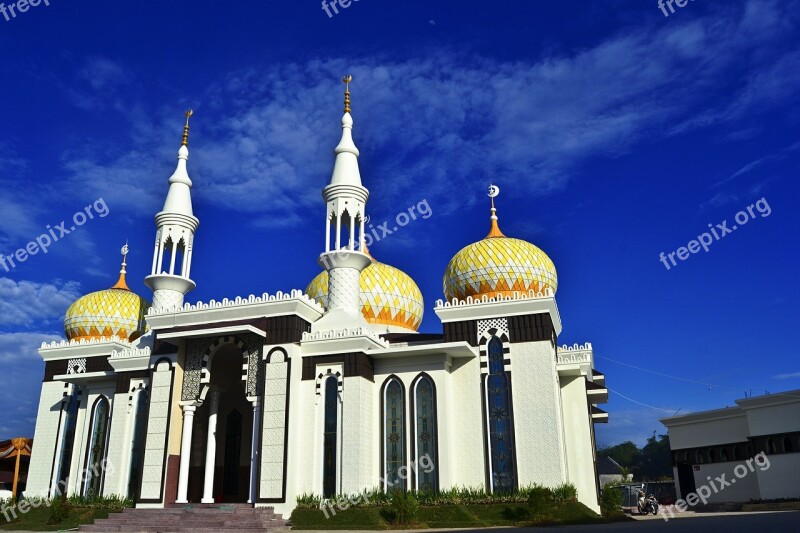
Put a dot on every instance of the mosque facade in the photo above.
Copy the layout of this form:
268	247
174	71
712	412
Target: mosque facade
329	390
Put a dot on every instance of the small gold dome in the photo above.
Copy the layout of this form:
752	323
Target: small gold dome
498	265
388	296
117	311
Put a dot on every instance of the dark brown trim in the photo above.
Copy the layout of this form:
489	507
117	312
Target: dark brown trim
355	365
285	329
531	328
461	331
392	377
167	360
59	366
413	426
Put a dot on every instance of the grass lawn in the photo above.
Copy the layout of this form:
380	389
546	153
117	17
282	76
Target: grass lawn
37	519
467	516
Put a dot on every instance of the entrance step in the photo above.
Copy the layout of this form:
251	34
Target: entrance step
195	518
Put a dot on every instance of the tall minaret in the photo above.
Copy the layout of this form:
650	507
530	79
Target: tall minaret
346	199
176	223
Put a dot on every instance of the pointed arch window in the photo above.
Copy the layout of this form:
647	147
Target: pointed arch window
394	435
71	405
138	441
96	460
330	437
500	420
425	435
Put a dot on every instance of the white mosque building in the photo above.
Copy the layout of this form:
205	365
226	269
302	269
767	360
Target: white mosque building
328	391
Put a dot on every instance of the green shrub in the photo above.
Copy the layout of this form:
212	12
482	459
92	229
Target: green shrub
308	501
565	493
59	511
611	501
404	506
540	499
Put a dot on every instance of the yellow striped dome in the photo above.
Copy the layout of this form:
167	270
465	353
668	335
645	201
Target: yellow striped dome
498	265
117	311
389	296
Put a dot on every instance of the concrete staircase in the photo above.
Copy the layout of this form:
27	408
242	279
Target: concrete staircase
197	518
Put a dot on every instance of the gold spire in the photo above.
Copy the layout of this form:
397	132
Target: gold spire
347	79
494	191
121	284
188	115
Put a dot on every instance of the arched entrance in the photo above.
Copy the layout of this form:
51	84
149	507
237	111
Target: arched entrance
221	442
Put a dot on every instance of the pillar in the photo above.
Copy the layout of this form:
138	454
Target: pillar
211	448
254	445
186	450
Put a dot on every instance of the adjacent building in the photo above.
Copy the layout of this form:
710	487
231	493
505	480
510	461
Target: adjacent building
727	442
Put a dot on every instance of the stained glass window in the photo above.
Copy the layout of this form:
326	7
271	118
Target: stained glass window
330	437
425	428
67	443
394	438
498	402
138	442
95	467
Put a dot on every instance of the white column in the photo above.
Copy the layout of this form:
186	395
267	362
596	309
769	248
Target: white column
186	450
211	448
254	446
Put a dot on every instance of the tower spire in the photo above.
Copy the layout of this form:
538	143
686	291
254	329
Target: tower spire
176	226
494	191
344	259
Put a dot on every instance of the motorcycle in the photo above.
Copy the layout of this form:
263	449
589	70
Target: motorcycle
647	503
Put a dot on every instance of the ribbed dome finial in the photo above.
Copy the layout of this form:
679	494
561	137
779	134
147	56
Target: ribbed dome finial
347	79
121	283
188	115
494	191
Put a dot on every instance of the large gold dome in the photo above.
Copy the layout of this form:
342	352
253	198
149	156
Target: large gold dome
388	296
498	265
117	311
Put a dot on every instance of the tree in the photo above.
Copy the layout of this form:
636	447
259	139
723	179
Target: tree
650	463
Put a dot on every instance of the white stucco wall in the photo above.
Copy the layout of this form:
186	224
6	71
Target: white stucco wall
578	431
537	415
740	489
782	478
726	429
45	439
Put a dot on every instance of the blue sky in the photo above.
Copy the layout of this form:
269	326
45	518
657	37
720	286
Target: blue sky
614	132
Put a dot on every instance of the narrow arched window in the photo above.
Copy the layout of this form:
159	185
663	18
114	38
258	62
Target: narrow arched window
138	442
426	458
330	437
787	445
394	435
61	480
500	420
96	461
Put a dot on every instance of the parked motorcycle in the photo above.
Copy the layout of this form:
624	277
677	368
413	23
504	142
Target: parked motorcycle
647	502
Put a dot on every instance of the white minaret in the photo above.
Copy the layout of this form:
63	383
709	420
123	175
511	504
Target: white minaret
176	223
346	199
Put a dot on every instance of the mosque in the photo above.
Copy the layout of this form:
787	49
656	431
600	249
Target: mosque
326	391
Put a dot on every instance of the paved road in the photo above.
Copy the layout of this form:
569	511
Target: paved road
788	521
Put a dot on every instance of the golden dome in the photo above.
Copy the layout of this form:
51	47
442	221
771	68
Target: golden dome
117	311
388	296
498	265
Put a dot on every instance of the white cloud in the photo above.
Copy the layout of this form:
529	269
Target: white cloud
27	303
17	347
787	376
447	121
